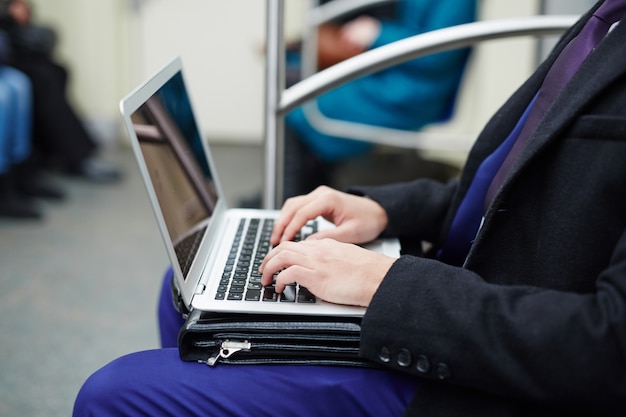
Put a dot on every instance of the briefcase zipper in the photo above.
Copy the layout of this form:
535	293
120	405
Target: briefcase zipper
228	348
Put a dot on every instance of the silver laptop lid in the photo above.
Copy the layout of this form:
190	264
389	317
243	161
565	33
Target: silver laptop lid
177	168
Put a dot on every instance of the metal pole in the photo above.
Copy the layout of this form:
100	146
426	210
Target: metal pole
274	85
415	47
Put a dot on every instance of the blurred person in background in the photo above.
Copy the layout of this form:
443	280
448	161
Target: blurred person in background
406	96
19	182
59	136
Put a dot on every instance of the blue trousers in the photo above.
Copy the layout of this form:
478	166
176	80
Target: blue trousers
15	117
158	383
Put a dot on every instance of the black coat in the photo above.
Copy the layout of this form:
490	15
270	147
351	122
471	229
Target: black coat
535	322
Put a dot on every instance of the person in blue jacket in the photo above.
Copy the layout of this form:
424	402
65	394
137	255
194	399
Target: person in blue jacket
407	96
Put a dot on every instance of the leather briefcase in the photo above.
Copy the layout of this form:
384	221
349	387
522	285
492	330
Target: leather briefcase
271	339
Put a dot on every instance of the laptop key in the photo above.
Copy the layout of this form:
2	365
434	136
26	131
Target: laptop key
254	286
238	281
235	296
269	294
253	294
305	296
238	289
289	294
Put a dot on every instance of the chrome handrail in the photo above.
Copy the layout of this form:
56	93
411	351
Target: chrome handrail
280	101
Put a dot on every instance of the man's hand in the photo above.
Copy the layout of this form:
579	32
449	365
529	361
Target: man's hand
336	272
358	219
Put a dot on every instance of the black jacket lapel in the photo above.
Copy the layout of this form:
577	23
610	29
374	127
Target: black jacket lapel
602	67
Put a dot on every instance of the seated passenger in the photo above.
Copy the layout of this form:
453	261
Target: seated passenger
19	180
59	136
406	96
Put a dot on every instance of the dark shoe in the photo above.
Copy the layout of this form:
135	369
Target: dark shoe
97	170
19	208
12	204
39	189
27	180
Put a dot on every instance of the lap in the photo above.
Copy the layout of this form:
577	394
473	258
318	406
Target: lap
157	382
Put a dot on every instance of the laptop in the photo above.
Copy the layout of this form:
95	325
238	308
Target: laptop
214	250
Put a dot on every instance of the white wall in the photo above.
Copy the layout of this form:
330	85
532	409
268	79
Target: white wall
496	68
91	35
221	49
111	46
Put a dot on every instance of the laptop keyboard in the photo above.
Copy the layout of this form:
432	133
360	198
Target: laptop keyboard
241	279
186	250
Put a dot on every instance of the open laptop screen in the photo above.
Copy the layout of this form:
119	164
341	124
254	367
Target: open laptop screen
171	146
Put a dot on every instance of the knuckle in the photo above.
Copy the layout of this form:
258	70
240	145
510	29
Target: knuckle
289	201
283	257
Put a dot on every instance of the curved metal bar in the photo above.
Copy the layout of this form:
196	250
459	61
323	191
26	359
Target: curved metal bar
417	46
279	101
411	139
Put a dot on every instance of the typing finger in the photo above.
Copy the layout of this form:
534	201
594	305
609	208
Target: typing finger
283	256
289	209
296	213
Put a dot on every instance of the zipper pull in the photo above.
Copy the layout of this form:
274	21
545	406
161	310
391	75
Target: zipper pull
228	348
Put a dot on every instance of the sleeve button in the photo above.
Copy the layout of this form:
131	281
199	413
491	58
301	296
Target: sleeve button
423	364
404	358
384	354
443	371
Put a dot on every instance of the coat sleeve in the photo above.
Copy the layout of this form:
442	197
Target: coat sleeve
448	324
